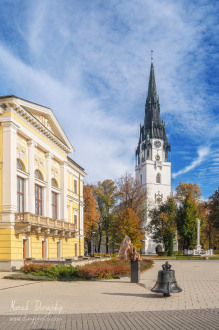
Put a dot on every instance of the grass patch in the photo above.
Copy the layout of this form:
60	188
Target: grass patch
214	258
184	258
28	277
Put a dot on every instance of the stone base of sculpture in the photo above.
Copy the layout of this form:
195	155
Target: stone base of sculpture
135	271
198	252
129	252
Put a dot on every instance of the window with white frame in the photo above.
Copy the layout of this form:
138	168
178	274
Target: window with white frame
54	205
20	194
38	200
158	178
54	183
38	175
20	165
76	221
75	186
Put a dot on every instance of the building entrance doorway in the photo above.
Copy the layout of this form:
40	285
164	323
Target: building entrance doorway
158	248
59	250
24	249
43	249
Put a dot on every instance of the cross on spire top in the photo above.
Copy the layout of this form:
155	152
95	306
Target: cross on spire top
152	56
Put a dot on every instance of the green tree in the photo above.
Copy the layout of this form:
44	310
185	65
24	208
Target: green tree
106	195
163	224
187	223
214	209
190	209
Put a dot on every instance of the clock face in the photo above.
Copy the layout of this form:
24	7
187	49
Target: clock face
157	144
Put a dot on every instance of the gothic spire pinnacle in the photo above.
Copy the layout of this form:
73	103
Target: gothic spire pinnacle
152	106
152	90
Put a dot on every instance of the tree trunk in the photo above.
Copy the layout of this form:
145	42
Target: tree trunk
107	244
209	236
170	244
89	247
99	243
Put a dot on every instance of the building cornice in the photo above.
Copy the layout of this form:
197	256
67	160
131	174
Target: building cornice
40	127
75	166
34	122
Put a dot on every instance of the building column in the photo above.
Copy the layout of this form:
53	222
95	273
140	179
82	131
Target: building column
198	246
64	191
9	170
48	186
31	181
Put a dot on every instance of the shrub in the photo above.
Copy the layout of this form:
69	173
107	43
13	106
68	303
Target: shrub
50	271
96	270
109	268
35	267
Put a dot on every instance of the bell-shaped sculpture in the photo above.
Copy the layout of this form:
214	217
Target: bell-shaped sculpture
166	281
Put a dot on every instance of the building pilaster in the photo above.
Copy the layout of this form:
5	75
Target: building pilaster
64	191
31	181
9	166
48	187
81	210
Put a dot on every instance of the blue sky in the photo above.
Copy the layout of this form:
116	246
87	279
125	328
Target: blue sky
89	61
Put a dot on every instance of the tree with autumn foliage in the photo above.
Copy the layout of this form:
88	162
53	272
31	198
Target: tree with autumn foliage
132	195
163	224
91	216
188	191
129	213
127	223
106	195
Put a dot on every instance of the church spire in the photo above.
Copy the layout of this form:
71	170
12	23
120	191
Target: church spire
152	90
152	106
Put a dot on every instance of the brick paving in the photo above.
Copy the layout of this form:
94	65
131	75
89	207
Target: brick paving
176	320
115	304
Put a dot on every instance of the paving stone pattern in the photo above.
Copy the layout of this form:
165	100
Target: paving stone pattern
162	320
115	304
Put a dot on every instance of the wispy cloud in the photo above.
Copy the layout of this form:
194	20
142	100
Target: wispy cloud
202	153
89	61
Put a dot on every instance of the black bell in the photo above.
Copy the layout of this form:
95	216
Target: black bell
166	282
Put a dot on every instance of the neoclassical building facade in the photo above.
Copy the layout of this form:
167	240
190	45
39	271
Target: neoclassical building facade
41	188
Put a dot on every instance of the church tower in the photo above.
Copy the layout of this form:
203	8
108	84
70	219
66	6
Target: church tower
153	163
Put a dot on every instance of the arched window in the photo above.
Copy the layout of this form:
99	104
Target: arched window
20	165
54	183
38	175
158	177
148	154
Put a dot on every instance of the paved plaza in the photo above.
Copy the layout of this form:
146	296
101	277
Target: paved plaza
115	304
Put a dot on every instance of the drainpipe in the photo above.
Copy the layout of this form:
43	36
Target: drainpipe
79	192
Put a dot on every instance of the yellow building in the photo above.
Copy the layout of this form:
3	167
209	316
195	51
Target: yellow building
41	188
